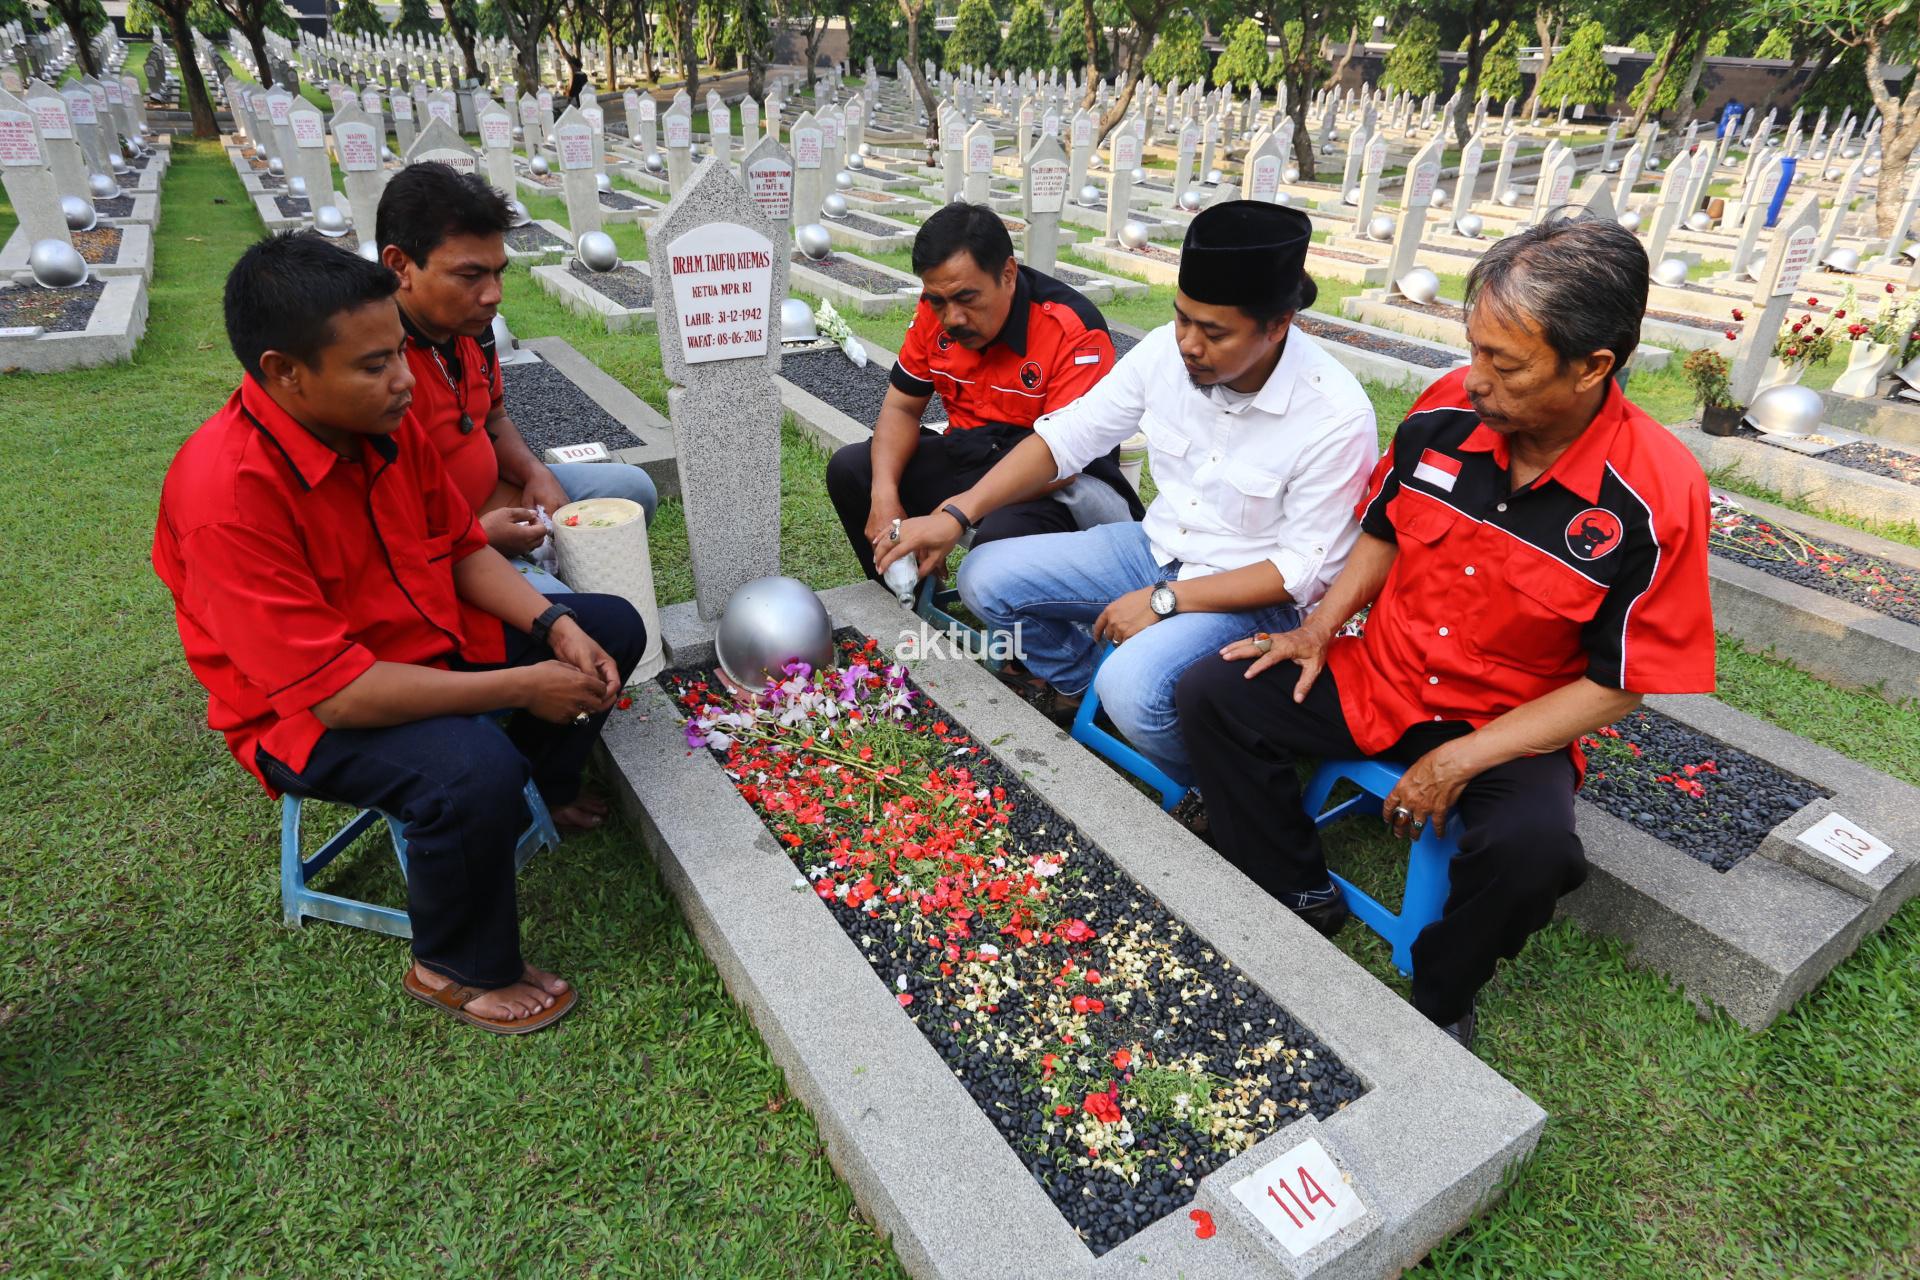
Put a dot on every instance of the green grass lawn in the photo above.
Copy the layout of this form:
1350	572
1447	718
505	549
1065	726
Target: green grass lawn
188	1088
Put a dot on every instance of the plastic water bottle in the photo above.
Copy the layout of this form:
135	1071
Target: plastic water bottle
903	579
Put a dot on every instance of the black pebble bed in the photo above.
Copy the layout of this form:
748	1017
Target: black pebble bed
624	285
1348	336
620	200
871	226
852	274
532	239
1123	343
55	310
118	207
858	393
272	182
1846	578
551	411
291	206
1156	252
1861	455
1103	1207
1744	799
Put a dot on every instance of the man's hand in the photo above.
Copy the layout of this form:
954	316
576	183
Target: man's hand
558	691
513	531
542	490
882	511
572	645
1426	791
1126	617
1304	644
930	539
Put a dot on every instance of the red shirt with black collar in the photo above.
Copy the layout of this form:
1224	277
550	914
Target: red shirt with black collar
294	570
1597	569
456	385
1053	347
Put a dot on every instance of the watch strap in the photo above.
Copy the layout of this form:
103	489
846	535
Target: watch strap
543	624
966	525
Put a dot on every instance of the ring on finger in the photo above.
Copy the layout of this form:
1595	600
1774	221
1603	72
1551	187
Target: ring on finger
893	534
581	717
1262	642
1401	813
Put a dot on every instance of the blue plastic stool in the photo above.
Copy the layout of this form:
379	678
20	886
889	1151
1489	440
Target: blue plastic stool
297	900
932	603
1426	889
1116	750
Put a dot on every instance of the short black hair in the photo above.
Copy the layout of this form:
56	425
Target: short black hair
285	291
957	226
1302	295
428	201
1582	281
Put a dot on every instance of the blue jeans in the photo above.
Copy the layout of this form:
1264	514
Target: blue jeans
584	480
1054	585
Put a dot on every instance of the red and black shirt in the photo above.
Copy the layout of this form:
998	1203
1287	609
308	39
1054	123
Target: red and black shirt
294	570
1053	347
456	385
1596	569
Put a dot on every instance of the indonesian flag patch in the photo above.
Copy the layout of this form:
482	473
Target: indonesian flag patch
1437	469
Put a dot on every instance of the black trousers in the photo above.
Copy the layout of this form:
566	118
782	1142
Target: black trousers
456	782
941	466
1518	851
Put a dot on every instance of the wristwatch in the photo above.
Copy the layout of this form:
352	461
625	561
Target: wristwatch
1163	602
544	623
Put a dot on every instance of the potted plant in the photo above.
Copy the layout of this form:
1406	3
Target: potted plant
1707	372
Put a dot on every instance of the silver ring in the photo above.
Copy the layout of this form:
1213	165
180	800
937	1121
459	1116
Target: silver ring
1401	813
582	717
893	534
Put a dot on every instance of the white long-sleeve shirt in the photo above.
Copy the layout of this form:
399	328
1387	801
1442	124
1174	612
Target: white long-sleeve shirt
1275	477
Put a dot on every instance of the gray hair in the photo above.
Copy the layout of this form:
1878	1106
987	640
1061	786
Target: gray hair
1581	281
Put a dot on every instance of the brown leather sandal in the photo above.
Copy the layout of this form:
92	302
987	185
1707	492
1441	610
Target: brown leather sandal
455	997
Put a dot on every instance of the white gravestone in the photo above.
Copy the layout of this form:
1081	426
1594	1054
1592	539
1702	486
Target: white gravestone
978	143
719	278
496	144
1672	186
1789	255
679	131
55	123
1373	162
1124	153
1423	175
356	148
26	175
809	174
1468	178
439	143
573	148
767	172
404	134
1043	197
309	158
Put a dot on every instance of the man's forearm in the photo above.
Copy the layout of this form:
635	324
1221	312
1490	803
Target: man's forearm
1026	472
517	463
1543	725
1253	586
486	581
1357	586
390	693
895	437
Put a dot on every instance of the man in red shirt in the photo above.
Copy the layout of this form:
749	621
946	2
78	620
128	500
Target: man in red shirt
1534	549
1002	344
444	234
354	631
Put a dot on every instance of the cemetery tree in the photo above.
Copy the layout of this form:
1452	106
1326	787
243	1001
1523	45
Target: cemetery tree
177	16
415	20
463	24
1659	88
1301	62
1413	67
360	18
1500	69
1483	17
1143	22
1778	44
1884	31
85	19
1029	42
254	18
1079	43
1549	21
810	18
913	11
870	36
1244	62
1580	74
975	38
1178	54
526	22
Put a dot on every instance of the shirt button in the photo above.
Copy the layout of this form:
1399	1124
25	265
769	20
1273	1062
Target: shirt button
1501	507
1433	679
1443	631
1436	717
1468	571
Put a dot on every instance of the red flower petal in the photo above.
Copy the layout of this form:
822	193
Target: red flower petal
906	998
1202	1223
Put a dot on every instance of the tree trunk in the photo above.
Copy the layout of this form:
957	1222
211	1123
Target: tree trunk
646	48
1899	133
912	13
72	13
814	34
199	105
1661	69
1135	54
463	36
1091	30
1543	26
689	51
256	34
1685	101
1304	154
1469	86
1340	67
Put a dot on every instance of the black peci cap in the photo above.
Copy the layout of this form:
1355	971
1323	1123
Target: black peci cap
1246	253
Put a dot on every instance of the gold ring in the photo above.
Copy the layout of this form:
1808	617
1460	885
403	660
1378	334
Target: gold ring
1262	642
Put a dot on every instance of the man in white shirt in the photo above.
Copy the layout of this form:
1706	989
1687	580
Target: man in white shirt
1260	444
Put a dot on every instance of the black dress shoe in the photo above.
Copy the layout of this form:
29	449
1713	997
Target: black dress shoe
1461	1029
1326	917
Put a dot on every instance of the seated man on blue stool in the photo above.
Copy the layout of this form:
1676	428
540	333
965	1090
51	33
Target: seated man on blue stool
1260	443
1534	549
339	601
